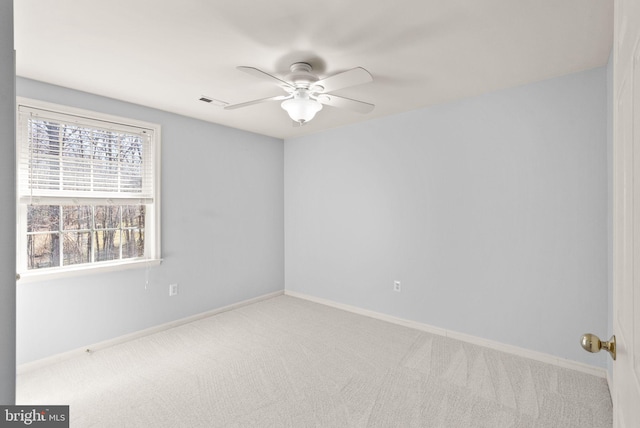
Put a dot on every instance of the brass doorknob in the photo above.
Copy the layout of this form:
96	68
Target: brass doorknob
592	343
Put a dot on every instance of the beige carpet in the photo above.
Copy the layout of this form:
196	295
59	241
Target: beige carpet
287	362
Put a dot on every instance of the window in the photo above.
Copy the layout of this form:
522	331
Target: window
88	190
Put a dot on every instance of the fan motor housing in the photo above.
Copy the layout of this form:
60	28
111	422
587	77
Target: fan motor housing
301	75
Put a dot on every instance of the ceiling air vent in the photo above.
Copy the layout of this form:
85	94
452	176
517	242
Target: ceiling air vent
211	100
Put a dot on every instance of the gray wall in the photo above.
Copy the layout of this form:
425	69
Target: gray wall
609	206
492	211
7	202
222	235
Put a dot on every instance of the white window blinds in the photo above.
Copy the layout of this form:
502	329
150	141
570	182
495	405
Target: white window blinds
69	160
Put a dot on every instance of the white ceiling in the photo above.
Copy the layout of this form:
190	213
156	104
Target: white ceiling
167	53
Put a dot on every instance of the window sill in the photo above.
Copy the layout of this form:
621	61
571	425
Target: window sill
73	271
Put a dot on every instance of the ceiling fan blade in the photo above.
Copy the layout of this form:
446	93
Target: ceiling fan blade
346	103
264	75
353	77
263	100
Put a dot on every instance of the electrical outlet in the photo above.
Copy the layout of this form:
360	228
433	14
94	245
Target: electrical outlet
396	286
173	289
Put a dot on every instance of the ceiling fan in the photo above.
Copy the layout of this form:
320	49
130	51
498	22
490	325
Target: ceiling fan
306	93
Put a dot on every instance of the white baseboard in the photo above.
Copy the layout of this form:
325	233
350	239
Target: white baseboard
515	350
26	367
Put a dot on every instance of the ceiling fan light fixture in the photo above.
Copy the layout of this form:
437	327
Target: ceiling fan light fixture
301	110
306	93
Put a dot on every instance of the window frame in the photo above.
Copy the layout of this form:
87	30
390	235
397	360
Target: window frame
152	256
